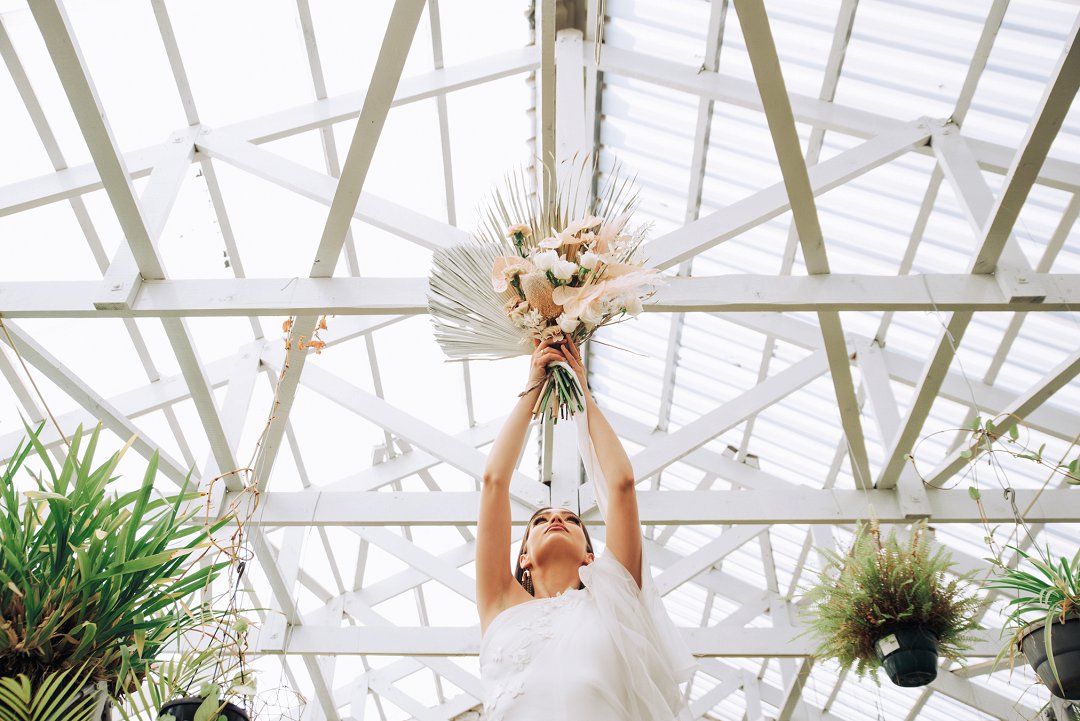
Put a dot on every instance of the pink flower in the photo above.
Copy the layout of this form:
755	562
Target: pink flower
505	268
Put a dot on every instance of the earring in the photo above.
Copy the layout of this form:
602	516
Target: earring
526	581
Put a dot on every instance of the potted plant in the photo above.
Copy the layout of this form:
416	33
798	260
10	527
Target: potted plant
208	681
89	578
887	604
1047	597
219	686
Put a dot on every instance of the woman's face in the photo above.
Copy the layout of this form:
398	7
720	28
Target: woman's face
555	532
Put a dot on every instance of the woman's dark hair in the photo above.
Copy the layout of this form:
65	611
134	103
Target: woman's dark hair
519	572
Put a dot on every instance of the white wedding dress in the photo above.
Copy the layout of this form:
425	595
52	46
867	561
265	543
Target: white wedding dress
607	652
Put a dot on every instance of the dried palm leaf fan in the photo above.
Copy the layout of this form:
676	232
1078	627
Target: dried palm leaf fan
531	273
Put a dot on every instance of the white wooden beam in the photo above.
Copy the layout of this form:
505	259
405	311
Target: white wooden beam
56	30
996	229
320	187
810	505
545	116
691	239
71	182
397	40
781	120
714	642
423	86
1056	172
1024	170
571	142
446	448
388	297
100	409
1008	418
673	446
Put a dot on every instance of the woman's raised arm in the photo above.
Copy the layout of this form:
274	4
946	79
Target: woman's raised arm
493	577
622	521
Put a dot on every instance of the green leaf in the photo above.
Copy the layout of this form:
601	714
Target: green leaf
974	493
141	564
210	707
46	496
1014	432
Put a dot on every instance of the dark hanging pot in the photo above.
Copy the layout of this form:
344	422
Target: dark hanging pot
183	709
1065	645
909	654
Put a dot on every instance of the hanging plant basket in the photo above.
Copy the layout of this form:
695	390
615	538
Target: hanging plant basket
183	709
909	655
1065	644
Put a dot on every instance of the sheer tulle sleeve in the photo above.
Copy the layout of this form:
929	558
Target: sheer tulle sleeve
656	656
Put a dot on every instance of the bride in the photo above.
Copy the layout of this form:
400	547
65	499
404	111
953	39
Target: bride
571	636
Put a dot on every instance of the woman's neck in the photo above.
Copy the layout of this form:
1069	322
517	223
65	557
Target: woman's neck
553	579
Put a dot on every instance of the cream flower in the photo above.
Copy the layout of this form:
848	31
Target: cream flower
567	323
552	242
593	313
545	260
589	260
505	268
632	304
532	319
551	332
564	269
519	228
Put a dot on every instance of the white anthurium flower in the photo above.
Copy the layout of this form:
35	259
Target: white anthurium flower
552	242
567	323
564	269
632	305
576	226
574	299
545	260
589	260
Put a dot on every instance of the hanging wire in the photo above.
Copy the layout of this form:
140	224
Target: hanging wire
30	377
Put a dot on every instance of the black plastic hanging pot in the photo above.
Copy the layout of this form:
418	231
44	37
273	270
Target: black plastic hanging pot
1065	645
909	655
183	709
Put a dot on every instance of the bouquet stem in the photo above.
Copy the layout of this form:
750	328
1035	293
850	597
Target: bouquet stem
560	396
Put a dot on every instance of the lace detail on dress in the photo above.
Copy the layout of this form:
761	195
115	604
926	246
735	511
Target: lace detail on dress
524	645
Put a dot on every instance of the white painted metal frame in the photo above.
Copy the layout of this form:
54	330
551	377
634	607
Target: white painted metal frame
135	285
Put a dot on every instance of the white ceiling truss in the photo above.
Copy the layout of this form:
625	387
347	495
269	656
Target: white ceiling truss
730	521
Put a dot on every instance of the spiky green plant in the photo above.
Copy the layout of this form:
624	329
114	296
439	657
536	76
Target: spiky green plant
881	583
89	577
1049	591
57	696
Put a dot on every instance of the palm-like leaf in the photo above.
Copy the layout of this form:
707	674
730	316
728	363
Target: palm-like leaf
58	696
469	316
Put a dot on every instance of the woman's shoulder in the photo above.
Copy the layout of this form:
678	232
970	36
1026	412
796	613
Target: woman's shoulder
515	596
608	569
